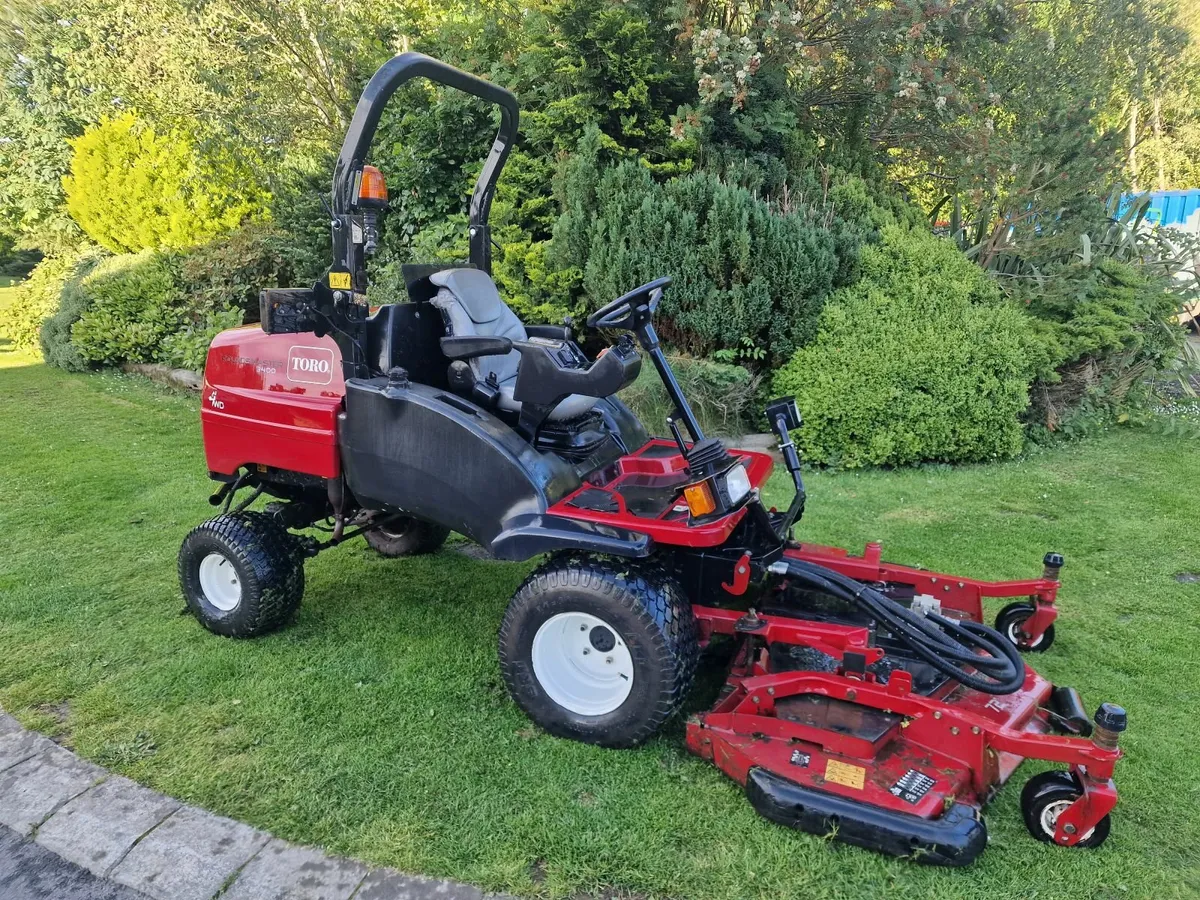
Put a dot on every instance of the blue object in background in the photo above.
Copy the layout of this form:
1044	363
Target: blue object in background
1174	209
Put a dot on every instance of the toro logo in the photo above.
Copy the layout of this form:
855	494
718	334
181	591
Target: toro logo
310	365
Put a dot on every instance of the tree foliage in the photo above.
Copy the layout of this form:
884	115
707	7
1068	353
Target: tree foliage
130	189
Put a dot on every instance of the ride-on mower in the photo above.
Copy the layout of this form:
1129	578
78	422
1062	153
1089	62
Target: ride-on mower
864	699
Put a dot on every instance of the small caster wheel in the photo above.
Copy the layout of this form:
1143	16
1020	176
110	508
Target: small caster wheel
1009	622
1046	797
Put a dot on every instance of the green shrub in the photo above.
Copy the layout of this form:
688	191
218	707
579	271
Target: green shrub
130	189
230	271
134	302
55	336
919	360
1101	328
722	396
749	277
38	297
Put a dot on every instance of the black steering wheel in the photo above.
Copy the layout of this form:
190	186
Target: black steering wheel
632	309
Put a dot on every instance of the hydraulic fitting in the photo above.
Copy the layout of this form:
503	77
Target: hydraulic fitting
1110	721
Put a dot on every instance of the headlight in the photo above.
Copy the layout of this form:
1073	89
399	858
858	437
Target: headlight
737	484
718	494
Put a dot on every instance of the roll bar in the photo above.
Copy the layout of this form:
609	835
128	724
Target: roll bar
391	75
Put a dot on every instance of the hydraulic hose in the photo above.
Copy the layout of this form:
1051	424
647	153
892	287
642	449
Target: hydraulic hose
949	646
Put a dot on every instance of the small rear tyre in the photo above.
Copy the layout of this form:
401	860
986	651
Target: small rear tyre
1009	622
242	574
406	536
1046	797
599	651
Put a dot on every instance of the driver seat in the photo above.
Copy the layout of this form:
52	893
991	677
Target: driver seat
471	305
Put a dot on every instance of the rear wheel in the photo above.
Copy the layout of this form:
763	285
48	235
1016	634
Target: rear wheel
599	651
242	575
406	536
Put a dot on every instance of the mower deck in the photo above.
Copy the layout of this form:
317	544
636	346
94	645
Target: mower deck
891	759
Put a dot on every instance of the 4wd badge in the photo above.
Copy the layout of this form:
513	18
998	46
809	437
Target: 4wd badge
310	365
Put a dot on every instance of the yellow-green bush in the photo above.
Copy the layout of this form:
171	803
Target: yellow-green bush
919	360
38	296
131	189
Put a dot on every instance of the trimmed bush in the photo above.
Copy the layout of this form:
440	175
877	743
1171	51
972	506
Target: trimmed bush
73	299
130	189
38	297
750	276
920	360
133	303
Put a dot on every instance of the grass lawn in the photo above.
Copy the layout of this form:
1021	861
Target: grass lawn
377	725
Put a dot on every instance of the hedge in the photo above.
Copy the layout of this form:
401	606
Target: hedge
920	360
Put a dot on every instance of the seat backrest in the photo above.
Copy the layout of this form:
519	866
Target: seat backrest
471	304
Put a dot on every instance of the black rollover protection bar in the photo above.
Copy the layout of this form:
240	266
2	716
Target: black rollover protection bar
386	81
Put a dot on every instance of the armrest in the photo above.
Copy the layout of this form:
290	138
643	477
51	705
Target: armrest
469	346
553	332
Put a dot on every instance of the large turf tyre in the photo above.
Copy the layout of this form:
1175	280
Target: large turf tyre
242	574
1045	798
1009	621
406	536
599	651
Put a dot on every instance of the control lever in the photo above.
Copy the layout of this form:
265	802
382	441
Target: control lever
784	416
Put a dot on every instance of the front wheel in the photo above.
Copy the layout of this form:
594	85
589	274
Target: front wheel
1046	797
242	574
599	651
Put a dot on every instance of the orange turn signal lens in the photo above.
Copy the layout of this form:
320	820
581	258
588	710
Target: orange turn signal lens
371	186
699	497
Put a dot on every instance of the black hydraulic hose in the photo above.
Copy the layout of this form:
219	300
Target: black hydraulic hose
945	644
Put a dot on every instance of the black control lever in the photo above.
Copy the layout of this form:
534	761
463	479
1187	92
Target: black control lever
784	416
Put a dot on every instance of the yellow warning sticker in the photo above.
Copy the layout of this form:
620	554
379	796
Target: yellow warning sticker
845	774
339	280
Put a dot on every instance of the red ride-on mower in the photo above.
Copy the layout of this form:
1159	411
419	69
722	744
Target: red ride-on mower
864	699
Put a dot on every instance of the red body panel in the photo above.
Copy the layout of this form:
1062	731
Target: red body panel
272	400
660	461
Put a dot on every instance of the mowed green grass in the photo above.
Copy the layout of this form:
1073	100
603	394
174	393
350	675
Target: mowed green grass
377	725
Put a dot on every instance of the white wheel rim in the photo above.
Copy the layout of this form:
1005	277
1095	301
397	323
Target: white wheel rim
1050	814
1014	635
582	663
220	583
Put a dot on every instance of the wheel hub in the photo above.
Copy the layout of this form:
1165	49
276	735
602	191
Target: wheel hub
582	663
1049	818
220	583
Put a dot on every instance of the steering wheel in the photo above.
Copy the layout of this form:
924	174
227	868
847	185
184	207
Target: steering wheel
632	309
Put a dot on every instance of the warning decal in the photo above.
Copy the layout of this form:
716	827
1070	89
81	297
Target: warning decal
845	774
912	786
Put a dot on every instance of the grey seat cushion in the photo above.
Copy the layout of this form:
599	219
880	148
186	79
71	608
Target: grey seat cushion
471	304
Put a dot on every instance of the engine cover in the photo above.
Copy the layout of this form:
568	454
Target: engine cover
272	400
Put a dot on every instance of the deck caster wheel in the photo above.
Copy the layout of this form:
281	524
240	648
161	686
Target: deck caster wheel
598	651
1046	797
406	536
1009	622
242	574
